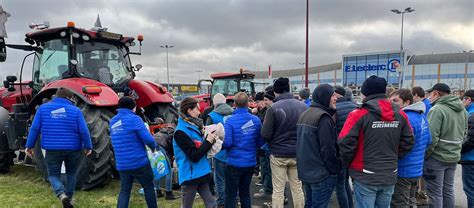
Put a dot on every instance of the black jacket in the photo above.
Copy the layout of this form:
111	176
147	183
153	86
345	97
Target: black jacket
372	140
279	126
317	155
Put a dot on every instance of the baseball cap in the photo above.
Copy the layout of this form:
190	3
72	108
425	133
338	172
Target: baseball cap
440	87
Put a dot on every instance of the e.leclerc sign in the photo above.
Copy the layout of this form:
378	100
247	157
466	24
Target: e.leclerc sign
390	66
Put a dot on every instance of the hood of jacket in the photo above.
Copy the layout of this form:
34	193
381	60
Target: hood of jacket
223	109
418	107
450	101
379	105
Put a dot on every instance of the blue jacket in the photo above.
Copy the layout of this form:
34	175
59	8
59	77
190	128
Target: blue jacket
242	138
189	170
307	102
129	136
217	116
428	106
411	165
62	127
467	152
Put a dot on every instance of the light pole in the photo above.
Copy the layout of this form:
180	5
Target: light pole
167	65
302	80
466	66
199	74
307	42
402	57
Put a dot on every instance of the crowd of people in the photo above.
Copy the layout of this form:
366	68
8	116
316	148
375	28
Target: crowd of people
396	149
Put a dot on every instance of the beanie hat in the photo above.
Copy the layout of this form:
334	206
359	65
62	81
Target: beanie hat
374	85
322	94
269	95
269	88
304	93
218	99
126	102
281	85
259	96
340	90
470	94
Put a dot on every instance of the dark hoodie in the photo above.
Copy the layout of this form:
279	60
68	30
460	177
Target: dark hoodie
317	155
372	140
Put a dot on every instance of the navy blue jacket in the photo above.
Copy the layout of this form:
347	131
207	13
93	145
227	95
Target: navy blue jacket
129	136
411	165
279	126
62	127
242	138
343	108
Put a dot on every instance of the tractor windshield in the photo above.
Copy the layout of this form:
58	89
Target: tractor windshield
53	61
229	86
104	62
100	61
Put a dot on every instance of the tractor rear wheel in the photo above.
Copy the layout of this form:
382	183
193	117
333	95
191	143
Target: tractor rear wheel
97	169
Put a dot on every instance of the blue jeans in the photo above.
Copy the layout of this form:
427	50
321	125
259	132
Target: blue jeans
266	173
238	180
219	179
144	176
343	189
168	182
468	183
54	161
369	196
317	195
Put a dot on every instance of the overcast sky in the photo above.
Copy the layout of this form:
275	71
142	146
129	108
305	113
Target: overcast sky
224	35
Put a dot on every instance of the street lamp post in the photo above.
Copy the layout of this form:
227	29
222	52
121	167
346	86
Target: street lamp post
307	42
199	74
303	77
466	66
402	57
167	65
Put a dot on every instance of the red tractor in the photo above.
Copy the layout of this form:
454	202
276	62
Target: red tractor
227	84
95	65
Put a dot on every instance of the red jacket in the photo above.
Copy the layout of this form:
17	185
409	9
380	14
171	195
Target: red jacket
372	140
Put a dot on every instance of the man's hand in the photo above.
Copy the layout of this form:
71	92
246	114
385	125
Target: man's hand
88	152
29	152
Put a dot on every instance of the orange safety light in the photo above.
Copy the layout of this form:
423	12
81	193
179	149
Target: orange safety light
92	89
71	24
140	38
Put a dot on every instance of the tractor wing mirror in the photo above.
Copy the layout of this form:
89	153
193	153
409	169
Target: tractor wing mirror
11	78
138	67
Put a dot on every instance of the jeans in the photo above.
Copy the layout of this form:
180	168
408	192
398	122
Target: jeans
343	189
238	180
405	193
266	173
319	194
219	179
439	180
168	182
368	196
468	183
189	193
144	176
283	168
54	161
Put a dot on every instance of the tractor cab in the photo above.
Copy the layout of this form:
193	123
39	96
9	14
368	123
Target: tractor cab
70	52
227	84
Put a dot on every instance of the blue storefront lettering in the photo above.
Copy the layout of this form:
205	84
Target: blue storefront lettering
390	67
